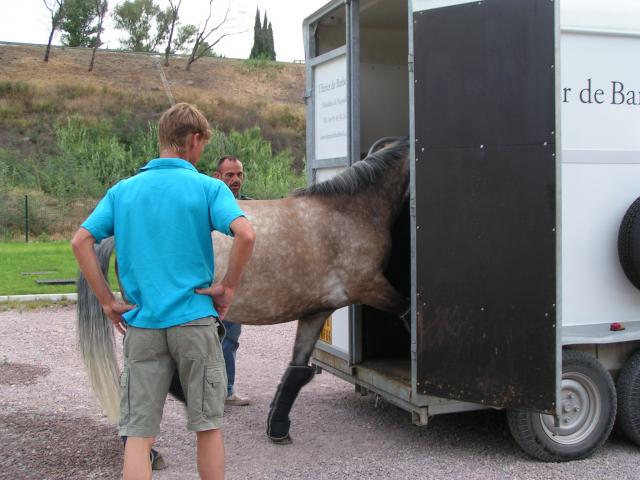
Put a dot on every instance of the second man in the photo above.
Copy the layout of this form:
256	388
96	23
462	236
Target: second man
230	171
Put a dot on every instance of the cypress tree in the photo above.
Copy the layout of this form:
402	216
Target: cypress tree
262	38
256	50
272	51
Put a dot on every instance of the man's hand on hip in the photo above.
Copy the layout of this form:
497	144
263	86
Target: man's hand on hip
114	311
222	297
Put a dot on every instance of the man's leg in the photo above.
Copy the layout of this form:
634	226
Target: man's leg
136	458
144	383
155	457
196	349
210	454
230	346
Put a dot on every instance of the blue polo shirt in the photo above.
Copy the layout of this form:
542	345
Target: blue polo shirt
162	219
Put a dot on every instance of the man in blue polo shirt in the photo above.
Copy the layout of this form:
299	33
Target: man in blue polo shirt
162	219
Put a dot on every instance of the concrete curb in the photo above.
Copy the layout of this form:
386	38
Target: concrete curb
52	297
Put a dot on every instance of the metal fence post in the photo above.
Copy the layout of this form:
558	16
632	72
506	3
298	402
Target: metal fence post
26	218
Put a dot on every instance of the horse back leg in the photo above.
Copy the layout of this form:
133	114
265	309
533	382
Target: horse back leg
297	375
307	335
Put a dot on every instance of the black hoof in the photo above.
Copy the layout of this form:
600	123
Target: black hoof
282	441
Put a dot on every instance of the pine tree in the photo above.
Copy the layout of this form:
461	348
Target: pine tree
262	38
271	49
256	50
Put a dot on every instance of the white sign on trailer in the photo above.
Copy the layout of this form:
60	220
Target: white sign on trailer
330	107
600	97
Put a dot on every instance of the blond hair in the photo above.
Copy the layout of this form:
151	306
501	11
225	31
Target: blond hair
177	123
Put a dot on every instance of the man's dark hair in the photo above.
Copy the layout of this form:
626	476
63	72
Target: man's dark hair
221	160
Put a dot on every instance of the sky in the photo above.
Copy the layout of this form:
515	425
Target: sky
28	21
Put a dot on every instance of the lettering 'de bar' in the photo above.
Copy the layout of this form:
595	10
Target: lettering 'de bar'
614	94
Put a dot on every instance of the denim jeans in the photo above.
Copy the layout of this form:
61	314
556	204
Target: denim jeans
229	348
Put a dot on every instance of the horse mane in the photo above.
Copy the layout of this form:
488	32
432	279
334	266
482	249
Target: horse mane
362	175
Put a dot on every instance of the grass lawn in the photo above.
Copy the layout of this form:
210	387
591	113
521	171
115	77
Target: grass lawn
21	264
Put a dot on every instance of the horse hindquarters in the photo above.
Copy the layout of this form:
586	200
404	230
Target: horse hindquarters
297	375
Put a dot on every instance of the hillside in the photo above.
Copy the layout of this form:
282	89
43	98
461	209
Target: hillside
234	94
67	134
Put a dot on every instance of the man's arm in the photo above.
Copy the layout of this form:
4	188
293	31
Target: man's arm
82	245
222	293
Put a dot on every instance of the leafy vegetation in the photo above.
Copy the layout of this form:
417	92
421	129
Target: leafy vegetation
91	156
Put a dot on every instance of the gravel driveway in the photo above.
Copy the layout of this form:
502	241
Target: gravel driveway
51	427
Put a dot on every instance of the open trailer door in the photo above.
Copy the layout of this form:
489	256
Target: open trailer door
485	201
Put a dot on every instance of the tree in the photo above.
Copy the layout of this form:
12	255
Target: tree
55	7
186	35
78	23
101	7
258	48
174	6
262	39
145	23
270	46
203	45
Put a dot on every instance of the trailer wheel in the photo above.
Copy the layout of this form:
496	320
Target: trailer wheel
629	243
628	387
588	399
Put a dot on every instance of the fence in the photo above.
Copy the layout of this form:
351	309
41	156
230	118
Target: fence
29	217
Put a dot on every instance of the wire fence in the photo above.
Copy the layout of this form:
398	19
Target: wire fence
29	217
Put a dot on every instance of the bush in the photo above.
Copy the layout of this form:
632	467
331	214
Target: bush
9	89
91	156
261	64
267	175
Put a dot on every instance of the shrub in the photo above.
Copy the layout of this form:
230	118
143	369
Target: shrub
268	175
9	89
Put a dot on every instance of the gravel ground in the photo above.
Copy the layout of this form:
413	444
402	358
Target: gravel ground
51	427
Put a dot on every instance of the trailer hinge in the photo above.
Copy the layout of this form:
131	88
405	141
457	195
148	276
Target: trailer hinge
308	93
410	62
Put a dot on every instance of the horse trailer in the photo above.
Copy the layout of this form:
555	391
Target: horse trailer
520	243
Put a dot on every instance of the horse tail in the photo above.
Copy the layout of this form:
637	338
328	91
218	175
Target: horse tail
95	339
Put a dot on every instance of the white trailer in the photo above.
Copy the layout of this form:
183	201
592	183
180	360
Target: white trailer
520	247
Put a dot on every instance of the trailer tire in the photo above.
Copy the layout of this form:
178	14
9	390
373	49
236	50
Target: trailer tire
628	388
629	243
588	398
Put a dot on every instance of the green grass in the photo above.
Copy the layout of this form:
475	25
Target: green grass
16	259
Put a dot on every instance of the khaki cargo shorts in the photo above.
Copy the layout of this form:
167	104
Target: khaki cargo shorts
152	356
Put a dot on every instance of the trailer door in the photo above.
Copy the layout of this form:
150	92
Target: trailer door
485	201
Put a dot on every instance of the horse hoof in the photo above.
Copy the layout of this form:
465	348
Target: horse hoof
282	441
157	462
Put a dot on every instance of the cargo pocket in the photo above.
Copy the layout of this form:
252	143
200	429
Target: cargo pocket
214	391
124	396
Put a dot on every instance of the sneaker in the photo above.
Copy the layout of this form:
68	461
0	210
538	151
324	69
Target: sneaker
237	401
157	462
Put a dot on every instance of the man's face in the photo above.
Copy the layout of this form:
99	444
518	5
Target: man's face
231	173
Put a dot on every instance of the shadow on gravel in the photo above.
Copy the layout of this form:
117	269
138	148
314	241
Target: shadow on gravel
479	432
21	373
57	447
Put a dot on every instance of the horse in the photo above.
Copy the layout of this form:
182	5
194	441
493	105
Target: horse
320	249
